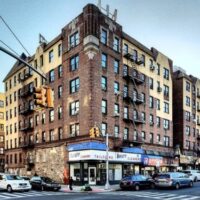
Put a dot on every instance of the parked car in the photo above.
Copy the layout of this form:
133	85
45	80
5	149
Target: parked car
193	174
173	179
25	178
44	183
11	183
136	182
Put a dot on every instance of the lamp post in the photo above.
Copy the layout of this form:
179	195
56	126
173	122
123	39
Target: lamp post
107	185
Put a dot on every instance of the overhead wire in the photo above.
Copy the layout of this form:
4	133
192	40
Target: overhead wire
14	35
10	48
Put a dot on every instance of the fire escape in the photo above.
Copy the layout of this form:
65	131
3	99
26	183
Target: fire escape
131	95
26	111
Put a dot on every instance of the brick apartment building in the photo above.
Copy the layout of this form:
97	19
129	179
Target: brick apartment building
100	77
186	117
2	124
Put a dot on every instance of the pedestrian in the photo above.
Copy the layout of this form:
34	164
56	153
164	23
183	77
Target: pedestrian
71	183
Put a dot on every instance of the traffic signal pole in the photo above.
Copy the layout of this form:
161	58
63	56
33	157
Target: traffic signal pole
23	61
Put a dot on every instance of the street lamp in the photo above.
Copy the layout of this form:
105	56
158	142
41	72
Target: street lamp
107	185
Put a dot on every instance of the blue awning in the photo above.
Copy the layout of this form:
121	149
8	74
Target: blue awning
87	146
133	150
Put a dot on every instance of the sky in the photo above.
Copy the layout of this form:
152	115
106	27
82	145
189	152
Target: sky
171	26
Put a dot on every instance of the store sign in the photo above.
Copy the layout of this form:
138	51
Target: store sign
153	161
186	159
101	155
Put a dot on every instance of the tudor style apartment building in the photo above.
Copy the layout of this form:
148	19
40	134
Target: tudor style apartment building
186	117
101	77
2	125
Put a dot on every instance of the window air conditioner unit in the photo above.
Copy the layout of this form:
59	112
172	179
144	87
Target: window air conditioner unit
76	112
117	93
116	115
152	67
165	127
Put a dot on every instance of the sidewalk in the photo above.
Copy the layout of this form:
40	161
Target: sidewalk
65	188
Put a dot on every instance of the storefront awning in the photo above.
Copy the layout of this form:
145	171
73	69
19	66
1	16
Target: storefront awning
133	150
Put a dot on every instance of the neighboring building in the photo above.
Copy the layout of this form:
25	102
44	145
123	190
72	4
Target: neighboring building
100	77
2	133
186	118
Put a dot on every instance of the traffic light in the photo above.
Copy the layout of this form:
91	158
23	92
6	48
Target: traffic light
38	96
49	97
94	132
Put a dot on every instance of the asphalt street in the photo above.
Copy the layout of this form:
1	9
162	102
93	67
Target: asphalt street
168	194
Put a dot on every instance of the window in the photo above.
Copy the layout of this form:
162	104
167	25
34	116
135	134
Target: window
158	121
158	104
51	76
74	130
15	127
126	134
104	106
37	138
166	107
158	69
166	91
60	112
166	74
1	104
187	86
158	138
43	136
51	115
104	83
36	120
151	102
15	96
51	56
74	40
103	36
116	109
51	135
2	115
151	138
43	118
59	91
60	71
135	55
116	44
125	48
126	113
187	130
116	133
10	83
166	141
103	129
143	59
59	50
151	83
143	116
6	86
143	135
166	124
194	132
116	87
1	127
135	135
116	66
74	108
60	133
74	63
187	116
151	121
103	60
125	92
187	101
10	98
142	96
41	60
74	85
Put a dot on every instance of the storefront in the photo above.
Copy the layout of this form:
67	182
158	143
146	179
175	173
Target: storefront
187	162
87	163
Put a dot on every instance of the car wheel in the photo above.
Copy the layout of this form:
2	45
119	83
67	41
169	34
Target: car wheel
195	179
137	187
190	184
153	185
9	188
177	186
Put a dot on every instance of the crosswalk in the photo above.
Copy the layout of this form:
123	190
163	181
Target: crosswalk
156	195
16	195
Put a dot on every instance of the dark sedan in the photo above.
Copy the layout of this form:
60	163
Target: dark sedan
136	182
44	183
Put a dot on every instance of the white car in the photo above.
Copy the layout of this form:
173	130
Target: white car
12	182
193	174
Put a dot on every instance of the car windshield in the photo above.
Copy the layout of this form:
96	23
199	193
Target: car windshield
186	172
13	177
47	180
127	178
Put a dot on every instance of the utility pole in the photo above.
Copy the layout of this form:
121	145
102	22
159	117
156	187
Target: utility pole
107	185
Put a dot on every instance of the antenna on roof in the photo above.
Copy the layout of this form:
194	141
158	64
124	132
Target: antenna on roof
107	10
42	39
114	17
